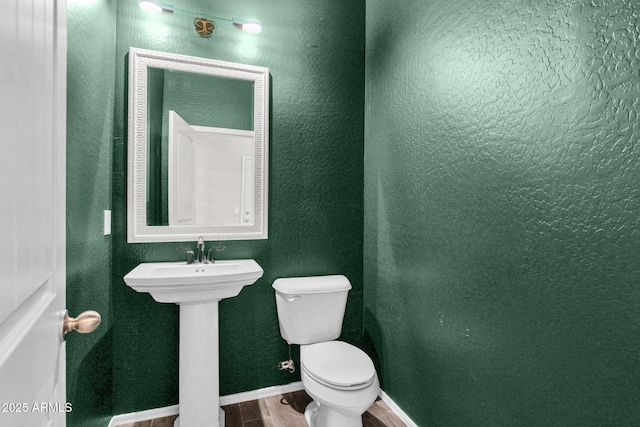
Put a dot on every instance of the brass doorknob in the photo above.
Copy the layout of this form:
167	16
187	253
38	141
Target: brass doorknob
86	322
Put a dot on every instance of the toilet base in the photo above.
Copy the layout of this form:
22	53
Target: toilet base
318	415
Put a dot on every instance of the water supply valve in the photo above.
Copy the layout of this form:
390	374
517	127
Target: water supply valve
288	364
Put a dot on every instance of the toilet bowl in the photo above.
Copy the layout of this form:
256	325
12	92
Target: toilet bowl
339	377
341	380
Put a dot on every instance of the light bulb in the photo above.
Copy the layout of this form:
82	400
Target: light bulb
149	6
248	25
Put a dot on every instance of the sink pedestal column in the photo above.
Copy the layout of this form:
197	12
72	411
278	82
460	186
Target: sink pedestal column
199	392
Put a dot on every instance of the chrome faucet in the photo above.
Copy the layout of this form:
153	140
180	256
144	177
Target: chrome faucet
198	256
200	250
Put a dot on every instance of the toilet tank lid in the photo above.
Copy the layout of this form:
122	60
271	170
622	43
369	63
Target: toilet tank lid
311	285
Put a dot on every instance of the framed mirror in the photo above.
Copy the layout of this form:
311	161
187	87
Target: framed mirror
198	149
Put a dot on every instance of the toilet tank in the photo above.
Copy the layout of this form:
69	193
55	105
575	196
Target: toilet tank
311	309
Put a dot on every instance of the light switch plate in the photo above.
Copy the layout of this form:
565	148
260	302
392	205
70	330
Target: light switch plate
107	223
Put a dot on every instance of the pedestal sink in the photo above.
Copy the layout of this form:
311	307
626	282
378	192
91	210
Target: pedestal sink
197	288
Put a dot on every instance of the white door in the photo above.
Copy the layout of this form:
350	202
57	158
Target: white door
32	212
182	180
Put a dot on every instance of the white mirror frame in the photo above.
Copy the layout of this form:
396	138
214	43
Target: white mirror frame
137	229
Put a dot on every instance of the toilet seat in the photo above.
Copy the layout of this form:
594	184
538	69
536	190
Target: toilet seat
338	365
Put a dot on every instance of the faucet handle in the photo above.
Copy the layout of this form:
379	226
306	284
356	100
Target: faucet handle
190	254
212	253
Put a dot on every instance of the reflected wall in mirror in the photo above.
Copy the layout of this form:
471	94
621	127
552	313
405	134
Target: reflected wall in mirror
197	149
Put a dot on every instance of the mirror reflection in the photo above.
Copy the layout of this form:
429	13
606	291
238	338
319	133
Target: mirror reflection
200	149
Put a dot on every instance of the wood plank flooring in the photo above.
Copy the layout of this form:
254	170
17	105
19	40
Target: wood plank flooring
285	410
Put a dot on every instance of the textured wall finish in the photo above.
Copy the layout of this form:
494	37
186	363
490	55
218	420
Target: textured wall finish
502	210
315	53
316	57
90	82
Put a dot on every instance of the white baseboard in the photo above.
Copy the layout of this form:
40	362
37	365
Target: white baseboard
230	399
150	414
261	393
243	397
397	410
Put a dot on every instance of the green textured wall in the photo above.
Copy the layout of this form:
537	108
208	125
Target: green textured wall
203	100
315	53
502	242
90	97
157	153
315	195
500	190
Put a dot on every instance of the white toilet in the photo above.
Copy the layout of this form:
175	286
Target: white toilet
339	377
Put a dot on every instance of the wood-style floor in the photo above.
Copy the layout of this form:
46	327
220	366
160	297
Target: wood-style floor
285	410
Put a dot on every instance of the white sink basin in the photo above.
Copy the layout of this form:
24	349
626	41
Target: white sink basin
197	288
178	282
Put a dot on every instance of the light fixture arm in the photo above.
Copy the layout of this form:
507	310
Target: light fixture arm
251	26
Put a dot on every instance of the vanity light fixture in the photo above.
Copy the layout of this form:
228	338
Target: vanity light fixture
204	24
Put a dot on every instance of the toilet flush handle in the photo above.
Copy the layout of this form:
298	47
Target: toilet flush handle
293	298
